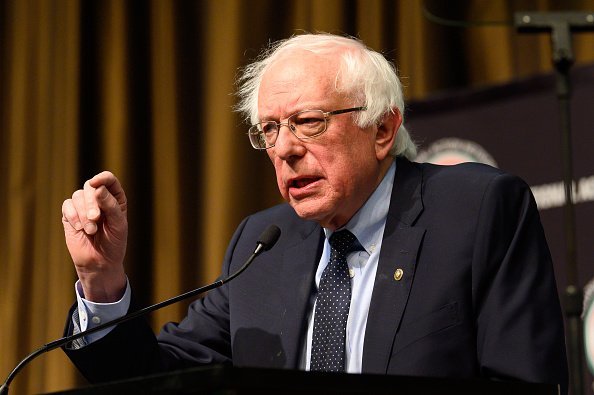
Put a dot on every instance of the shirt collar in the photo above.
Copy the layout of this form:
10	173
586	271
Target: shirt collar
368	223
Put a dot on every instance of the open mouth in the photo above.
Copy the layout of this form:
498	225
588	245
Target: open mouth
302	182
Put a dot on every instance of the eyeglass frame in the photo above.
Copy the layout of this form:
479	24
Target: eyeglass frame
326	116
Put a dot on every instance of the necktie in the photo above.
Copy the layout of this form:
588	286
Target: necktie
332	307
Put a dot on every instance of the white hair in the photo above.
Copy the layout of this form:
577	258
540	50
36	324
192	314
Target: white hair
363	75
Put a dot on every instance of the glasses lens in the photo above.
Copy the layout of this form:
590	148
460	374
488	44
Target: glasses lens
263	135
256	137
269	132
308	123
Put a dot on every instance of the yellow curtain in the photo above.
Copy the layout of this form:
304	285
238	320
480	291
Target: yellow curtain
145	89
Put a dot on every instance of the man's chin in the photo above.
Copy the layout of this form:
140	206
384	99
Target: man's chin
308	210
313	212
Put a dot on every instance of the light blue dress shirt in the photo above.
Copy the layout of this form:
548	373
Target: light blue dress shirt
368	226
91	314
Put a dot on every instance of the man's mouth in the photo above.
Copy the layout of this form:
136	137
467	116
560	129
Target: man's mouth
302	182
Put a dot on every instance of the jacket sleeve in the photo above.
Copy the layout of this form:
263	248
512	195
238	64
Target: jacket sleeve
132	349
519	323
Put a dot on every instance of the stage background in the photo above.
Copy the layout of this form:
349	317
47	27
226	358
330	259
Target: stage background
516	127
144	88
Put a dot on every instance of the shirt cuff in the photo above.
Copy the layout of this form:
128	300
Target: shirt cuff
93	314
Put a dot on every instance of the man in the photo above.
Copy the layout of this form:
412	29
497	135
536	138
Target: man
444	271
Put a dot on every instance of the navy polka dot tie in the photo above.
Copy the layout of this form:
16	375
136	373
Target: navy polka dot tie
332	307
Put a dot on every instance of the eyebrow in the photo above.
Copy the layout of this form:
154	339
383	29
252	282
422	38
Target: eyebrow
322	108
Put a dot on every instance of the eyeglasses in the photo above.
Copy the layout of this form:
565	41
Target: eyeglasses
304	125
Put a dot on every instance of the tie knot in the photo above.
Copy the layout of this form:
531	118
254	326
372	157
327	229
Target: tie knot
343	242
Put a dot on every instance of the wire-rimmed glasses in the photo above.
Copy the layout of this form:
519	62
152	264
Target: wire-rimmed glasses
304	125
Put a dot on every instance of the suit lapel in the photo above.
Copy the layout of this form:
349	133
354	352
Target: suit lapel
395	272
299	264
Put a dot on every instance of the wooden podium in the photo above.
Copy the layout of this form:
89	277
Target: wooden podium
229	380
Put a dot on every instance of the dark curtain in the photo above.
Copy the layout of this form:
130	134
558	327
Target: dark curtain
145	89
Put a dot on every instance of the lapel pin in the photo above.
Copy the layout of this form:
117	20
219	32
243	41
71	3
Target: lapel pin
398	274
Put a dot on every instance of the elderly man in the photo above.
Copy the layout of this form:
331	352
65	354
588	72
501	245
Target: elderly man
383	265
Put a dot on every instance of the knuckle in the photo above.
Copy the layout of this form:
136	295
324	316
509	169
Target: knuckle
77	194
102	194
67	207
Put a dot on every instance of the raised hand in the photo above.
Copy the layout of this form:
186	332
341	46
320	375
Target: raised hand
96	231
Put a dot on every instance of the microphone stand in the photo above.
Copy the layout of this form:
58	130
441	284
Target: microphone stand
268	238
561	25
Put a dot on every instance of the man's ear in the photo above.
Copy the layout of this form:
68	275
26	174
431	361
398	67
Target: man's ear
387	130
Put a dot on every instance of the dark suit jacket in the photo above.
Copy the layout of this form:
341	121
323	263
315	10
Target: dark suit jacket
477	299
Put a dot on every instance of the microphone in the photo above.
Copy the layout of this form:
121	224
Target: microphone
266	241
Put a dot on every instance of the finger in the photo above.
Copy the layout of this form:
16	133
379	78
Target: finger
91	206
111	182
80	201
70	216
108	203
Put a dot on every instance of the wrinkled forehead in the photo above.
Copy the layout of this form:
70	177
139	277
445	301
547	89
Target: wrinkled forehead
299	75
300	66
303	64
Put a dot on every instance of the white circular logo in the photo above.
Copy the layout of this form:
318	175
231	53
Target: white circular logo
451	151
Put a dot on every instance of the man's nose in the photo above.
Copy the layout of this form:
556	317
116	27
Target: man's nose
287	144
